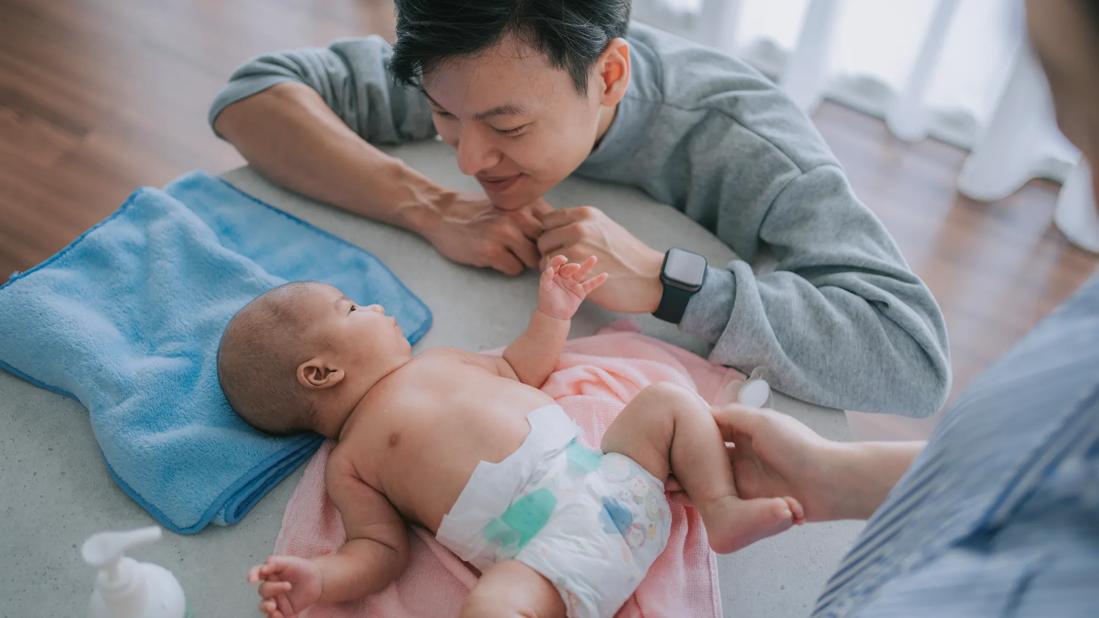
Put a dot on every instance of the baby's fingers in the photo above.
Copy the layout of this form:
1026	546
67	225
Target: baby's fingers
586	266
270	609
594	282
570	270
268	590
556	262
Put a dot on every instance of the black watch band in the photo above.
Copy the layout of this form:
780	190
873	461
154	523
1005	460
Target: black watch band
682	275
673	303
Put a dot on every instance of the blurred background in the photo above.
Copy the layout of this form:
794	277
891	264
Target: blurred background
934	107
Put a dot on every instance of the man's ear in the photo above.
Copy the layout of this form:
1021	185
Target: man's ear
318	374
613	72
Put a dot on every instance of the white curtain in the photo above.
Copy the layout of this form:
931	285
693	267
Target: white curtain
959	71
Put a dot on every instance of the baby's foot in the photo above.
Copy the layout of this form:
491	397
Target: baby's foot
733	523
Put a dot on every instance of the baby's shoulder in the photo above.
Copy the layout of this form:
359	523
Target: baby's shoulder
436	357
443	354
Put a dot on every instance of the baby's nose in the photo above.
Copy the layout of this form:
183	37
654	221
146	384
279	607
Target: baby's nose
376	308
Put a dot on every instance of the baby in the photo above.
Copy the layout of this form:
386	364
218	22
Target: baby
465	445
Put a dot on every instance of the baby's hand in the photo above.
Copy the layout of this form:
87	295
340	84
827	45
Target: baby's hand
563	286
289	585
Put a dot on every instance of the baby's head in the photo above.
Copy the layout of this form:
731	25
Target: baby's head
301	356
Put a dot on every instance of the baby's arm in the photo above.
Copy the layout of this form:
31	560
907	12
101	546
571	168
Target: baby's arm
375	553
533	355
376	550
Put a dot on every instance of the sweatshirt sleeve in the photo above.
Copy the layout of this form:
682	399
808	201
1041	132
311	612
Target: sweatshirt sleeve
352	77
841	320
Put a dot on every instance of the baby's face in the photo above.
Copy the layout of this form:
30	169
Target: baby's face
356	330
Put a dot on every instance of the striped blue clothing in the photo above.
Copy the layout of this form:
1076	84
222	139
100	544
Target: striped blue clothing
1000	513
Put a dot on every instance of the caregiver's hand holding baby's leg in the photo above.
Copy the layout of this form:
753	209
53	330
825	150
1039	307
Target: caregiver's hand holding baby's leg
669	429
287	584
774	454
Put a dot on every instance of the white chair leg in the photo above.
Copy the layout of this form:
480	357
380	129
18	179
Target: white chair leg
907	117
1009	151
807	69
1076	215
717	23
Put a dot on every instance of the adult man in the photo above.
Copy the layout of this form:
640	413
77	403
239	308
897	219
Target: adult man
999	514
529	92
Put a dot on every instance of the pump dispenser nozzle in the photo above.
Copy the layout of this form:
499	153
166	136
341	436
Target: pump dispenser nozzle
126	588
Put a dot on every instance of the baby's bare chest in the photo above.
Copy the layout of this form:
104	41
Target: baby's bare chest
444	416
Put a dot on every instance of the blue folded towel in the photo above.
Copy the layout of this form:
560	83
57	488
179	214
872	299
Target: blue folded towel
127	320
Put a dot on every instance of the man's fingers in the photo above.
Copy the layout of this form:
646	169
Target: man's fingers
557	218
553	241
540	207
507	263
525	249
527	223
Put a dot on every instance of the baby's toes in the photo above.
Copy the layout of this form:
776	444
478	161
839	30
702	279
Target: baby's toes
795	509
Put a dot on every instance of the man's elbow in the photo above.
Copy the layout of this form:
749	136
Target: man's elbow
239	116
927	381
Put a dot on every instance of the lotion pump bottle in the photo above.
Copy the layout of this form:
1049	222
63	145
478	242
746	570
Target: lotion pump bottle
125	588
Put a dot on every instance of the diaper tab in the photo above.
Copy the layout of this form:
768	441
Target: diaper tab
492	511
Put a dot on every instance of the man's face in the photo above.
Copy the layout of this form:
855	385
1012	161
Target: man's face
518	123
1068	48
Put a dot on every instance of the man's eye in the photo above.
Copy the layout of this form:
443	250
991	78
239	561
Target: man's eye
516	131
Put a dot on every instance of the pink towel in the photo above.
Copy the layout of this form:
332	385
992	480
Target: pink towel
595	378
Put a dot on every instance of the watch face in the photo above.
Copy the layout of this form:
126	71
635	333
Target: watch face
684	268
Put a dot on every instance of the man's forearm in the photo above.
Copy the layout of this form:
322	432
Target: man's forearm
360	567
288	133
534	354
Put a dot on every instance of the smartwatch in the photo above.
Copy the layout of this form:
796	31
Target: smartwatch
682	275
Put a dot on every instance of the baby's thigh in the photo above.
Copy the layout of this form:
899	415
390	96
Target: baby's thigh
511	588
645	428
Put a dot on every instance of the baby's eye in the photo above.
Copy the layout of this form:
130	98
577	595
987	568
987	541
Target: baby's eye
353	307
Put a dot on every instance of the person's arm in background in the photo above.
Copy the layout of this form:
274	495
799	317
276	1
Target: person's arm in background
841	320
307	119
776	455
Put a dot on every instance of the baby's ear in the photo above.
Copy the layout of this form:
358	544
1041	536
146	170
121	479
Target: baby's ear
317	374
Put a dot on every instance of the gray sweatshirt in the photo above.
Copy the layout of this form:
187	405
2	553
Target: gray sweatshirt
839	321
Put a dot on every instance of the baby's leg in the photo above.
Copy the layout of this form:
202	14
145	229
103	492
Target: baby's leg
668	429
512	589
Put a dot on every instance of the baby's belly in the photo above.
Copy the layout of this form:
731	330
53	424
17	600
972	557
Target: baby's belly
432	461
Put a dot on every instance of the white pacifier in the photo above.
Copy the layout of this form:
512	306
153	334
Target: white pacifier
755	392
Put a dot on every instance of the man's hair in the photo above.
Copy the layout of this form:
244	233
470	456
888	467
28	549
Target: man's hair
1091	7
571	33
258	358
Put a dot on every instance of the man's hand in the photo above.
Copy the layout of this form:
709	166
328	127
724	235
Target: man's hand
563	286
289	585
470	230
634	268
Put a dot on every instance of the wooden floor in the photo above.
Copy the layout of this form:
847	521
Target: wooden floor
100	96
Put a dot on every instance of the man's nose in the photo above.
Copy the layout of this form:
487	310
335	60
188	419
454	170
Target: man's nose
475	153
